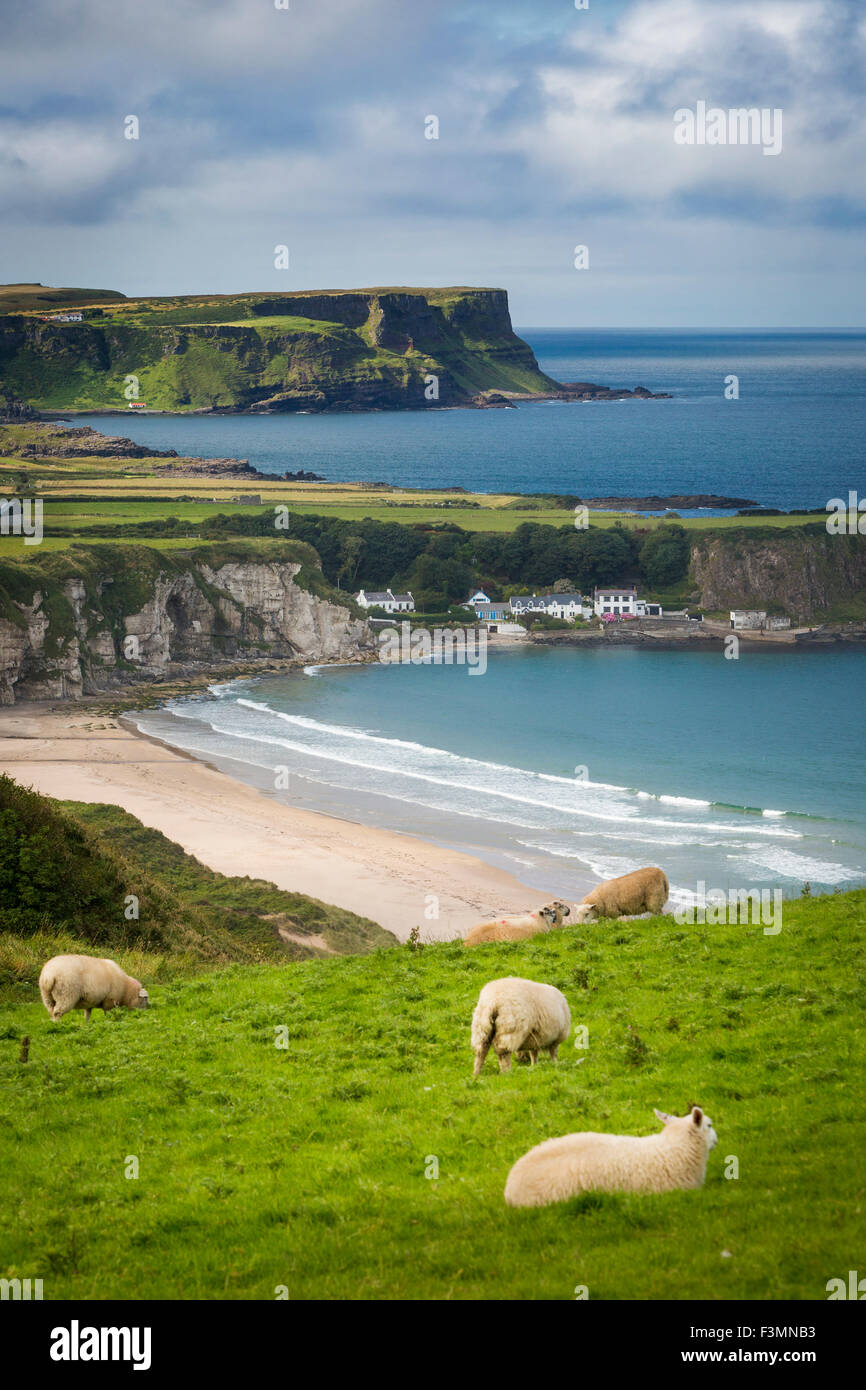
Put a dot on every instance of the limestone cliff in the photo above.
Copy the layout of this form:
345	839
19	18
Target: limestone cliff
90	618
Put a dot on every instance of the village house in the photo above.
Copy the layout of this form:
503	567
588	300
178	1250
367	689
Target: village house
564	606
391	603
66	318
617	602
478	597
487	612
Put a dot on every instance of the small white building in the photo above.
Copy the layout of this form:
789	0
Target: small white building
747	618
478	597
391	603
67	318
645	609
616	602
754	619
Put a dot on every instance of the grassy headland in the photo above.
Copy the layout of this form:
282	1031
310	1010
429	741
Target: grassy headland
310	350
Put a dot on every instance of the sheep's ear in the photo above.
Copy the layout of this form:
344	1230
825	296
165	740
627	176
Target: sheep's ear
697	1114
660	1115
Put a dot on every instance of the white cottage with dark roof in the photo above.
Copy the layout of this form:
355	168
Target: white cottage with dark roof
383	598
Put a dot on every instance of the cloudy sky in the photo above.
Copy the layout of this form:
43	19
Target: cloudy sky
306	127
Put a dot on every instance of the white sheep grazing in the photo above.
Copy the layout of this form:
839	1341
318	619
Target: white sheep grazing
87	982
517	927
517	1015
645	890
561	1168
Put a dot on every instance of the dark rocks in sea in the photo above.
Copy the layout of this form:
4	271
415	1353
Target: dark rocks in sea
662	504
588	391
302	476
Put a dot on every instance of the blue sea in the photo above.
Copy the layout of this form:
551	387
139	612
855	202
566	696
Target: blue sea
794	438
566	766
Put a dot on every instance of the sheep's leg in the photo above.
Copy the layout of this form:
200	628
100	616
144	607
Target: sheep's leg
86	1015
533	1058
504	1061
481	1056
553	1052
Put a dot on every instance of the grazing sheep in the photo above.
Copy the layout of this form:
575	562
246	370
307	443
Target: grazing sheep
561	1168
86	982
646	890
517	927
517	1015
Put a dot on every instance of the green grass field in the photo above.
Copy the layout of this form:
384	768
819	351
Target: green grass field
304	1166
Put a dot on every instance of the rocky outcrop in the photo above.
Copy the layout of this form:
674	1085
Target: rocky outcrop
59	441
802	572
168	617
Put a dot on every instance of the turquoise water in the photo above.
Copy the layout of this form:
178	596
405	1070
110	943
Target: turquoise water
570	765
793	439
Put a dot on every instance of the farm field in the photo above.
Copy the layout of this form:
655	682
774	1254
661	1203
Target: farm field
361	1160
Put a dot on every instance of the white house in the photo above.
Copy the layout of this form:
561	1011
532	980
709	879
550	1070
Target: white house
478	597
618	602
392	603
524	603
66	318
566	606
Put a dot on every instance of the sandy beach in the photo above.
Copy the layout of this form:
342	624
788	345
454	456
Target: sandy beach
79	755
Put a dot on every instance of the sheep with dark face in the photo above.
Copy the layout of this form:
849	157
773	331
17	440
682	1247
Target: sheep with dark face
88	982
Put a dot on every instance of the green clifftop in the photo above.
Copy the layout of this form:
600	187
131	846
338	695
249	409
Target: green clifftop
312	350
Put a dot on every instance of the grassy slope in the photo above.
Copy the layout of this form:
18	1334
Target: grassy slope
243	902
305	1166
66	870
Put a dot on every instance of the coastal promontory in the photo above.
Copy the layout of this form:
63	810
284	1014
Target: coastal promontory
328	350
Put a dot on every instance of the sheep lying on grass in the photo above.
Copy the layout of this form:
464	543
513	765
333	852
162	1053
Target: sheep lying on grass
87	982
561	1168
518	926
645	890
517	1015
